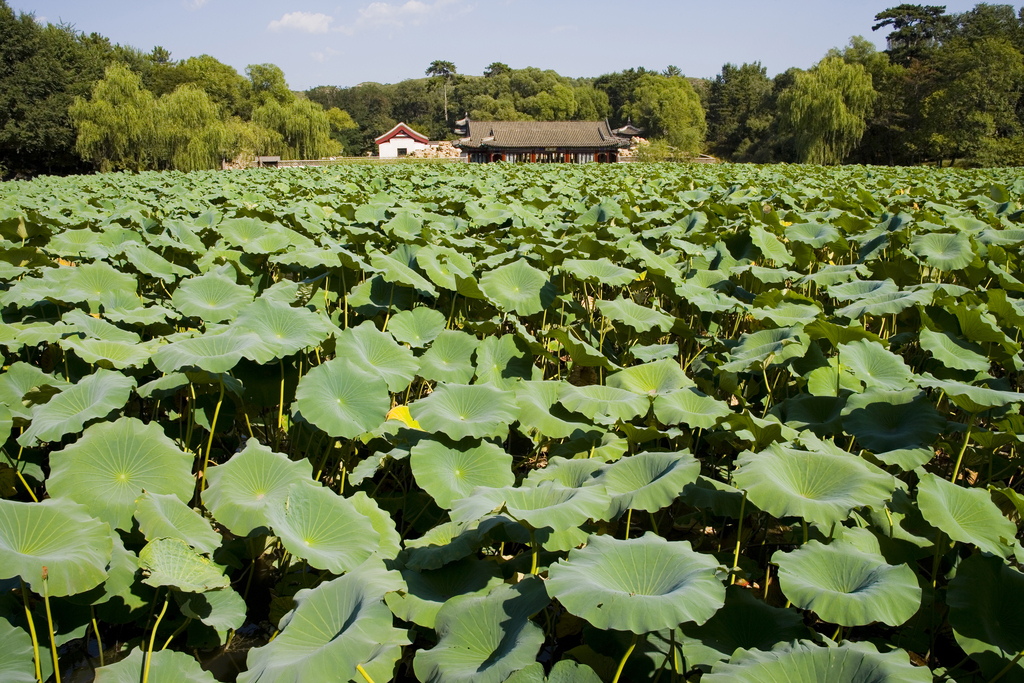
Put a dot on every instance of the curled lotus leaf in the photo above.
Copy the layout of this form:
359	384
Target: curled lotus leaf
884	421
342	399
821	486
640	318
417	327
806	662
954	352
173	562
966	515
540	412
109	354
213	297
888	303
450	358
814	234
975	399
651	379
340	624
518	288
166	666
429	590
20	379
846	586
565	671
390	541
444	543
766	347
213	352
860	289
547	504
246	487
647	481
6	423
599	270
690	407
571	473
602	403
449	471
281	329
222	609
875	365
113	463
943	250
459	411
165	516
93	397
641	585
503	361
17	665
986	611
323	528
58	534
501	641
393	270
374	351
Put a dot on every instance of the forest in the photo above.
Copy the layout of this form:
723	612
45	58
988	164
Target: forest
947	90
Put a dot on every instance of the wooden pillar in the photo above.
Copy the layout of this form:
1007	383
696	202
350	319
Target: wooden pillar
533	157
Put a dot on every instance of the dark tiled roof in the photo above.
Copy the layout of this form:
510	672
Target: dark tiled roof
541	134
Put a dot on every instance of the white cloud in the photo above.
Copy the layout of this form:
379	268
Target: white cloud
195	4
323	55
302	21
394	14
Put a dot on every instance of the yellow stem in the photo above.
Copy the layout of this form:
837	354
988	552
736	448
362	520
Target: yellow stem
739	535
152	638
31	631
49	623
96	630
361	670
622	664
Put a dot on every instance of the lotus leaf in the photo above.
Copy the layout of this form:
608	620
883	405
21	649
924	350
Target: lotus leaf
565	671
221	609
601	271
335	627
540	412
965	515
653	379
766	347
165	516
602	403
212	352
18	662
214	297
429	590
113	463
546	505
282	329
518	288
690	407
374	351
954	352
640	318
172	562
109	354
640	585
6	423
805	662
93	397
459	411
450	358
417	327
483	639
444	543
246	487
876	366
390	542
889	420
945	251
821	485
977	398
450	471
166	666
323	528
342	399
814	234
95	281
503	361
568	473
647	481
58	534
393	270
888	303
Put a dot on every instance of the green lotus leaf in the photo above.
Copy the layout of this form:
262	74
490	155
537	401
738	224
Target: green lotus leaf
986	611
503	361
18	662
640	318
814	234
770	246
396	272
342	399
539	411
444	543
965	515
565	671
821	485
690	407
97	328
243	490
602	403
165	516
450	471
213	352
221	609
601	271
876	366
95	282
113	463
820	414
945	251
502	638
805	662
581	352
652	379
281	329
390	543
58	534
647	481
978	399
166	666
570	473
240	232
21	378
417	327
954	352
518	288
6	423
404	226
109	354
546	505
744	622
645	353
445	267
640	585
846	586
375	351
172	562
459	411
450	358
888	303
906	458
429	590
83	242
213	297
889	420
150	262
93	397
765	347
325	529
335	627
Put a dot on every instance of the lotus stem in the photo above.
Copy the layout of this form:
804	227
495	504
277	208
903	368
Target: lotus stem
739	536
280	404
387	318
21	478
1006	669
31	630
184	625
806	534
629	521
152	638
209	444
362	671
49	623
676	665
622	663
96	630
536	551
963	449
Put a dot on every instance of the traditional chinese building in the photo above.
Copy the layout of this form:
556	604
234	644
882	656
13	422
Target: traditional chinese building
400	141
570	142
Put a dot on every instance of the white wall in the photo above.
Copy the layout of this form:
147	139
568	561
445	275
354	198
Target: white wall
389	149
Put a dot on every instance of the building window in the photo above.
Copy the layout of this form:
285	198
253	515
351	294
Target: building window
402	151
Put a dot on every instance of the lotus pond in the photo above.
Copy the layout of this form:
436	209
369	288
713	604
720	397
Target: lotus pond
488	423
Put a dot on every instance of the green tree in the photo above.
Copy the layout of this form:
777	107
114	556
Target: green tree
916	30
343	129
266	82
496	69
620	88
115	126
190	134
445	71
672	70
826	110
221	82
739	110
303	126
667	107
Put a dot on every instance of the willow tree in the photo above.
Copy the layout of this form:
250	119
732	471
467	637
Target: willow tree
668	107
304	127
115	126
826	110
190	134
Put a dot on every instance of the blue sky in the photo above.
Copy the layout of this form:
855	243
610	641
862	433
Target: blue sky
319	42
